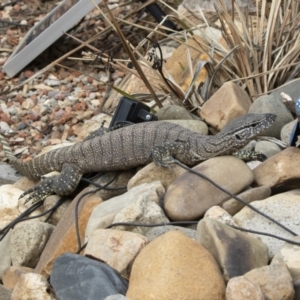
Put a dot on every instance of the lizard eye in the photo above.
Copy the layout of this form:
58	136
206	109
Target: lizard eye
238	137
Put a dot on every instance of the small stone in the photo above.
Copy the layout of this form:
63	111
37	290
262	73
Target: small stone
12	274
219	214
267	148
157	231
174	112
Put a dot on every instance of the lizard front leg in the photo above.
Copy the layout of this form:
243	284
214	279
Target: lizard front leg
164	155
63	184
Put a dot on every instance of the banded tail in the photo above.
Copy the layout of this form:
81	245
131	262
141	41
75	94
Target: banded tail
8	152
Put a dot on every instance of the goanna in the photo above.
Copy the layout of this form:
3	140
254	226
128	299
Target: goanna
132	146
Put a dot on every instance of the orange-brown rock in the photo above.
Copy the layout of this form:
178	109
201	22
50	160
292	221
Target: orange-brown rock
174	267
63	238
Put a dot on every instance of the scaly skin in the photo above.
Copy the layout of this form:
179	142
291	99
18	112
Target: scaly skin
132	146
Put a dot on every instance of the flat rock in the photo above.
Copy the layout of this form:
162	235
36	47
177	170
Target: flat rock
63	238
282	208
229	102
116	248
175	267
236	252
143	211
279	171
78	277
8	175
152	173
233	206
240	288
290	255
274	281
271	104
104	214
190	196
28	240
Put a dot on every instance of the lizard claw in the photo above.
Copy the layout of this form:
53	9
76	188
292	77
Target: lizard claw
39	192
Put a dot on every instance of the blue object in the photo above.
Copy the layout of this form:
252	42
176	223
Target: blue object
296	130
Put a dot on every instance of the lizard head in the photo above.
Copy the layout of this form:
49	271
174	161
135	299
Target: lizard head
243	129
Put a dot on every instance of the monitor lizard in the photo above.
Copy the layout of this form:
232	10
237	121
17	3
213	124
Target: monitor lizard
132	146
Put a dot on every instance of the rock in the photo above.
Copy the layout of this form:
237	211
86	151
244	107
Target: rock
9	202
190	196
28	240
228	103
155	232
77	277
271	104
286	131
289	254
291	88
8	175
104	214
274	281
58	213
32	286
296	284
174	112
219	214
280	172
233	206
12	274
116	248
116	297
143	211
5	255
175	267
152	173
236	252
240	288
24	183
267	148
282	208
63	238
5	294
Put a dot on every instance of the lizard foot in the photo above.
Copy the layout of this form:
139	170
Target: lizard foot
40	191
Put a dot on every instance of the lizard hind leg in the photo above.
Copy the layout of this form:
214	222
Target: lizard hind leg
63	184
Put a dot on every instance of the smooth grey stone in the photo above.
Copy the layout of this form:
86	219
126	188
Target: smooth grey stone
267	148
272	104
286	131
175	112
5	294
78	277
116	297
160	230
8	175
291	88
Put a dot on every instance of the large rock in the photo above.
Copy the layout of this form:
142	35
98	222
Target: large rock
190	196
175	267
76	277
282	208
271	104
64	238
104	214
274	281
116	248
227	104
236	252
280	172
174	112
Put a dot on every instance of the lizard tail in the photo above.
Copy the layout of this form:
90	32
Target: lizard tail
9	154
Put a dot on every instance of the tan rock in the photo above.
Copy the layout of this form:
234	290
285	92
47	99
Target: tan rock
280	207
236	252
12	274
280	172
104	214
25	183
233	206
152	173
175	267
290	255
219	214
240	288
227	104
63	238
190	196
274	281
116	248
32	286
